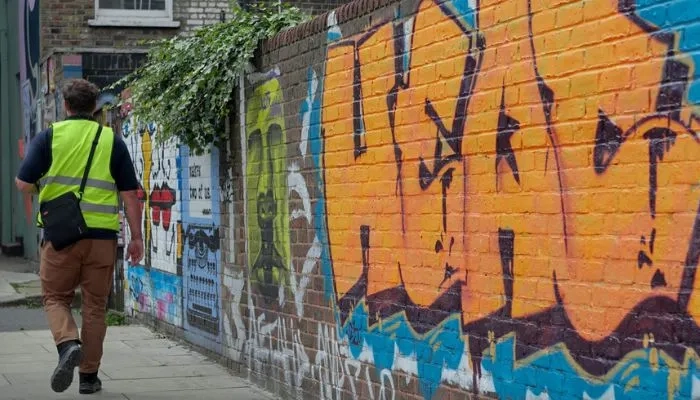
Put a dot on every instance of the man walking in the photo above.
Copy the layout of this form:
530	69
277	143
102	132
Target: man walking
78	166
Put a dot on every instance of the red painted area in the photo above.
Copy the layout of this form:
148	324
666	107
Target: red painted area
162	201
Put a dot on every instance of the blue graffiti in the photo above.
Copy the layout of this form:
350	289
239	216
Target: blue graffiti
641	376
645	374
464	10
679	17
156	292
440	348
316	145
127	128
333	32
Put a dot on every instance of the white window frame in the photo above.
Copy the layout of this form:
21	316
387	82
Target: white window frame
136	18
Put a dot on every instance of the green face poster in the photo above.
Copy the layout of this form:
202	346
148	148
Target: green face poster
267	210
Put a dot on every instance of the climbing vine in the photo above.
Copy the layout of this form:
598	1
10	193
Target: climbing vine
187	83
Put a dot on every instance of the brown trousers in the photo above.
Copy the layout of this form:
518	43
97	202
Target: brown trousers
90	265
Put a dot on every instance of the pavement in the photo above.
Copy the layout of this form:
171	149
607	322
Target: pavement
19	281
137	365
23	318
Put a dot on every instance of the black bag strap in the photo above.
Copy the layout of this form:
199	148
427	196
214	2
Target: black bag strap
89	162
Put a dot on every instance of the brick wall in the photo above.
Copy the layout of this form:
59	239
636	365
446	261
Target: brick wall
197	13
64	23
426	200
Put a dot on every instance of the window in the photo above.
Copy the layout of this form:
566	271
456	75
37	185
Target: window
149	13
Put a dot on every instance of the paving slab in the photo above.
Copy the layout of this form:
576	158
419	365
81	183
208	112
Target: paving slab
163	371
137	365
17	264
180	359
150	343
9	359
20	278
146	385
23	349
214	394
19	282
14	319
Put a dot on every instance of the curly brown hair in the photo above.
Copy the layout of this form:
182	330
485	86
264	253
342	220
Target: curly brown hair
80	96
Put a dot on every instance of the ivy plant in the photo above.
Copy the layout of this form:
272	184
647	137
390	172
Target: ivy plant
187	83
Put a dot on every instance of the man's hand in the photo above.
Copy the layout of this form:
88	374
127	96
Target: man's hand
134	252
135	249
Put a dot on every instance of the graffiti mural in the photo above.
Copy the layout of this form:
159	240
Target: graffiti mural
267	207
139	149
29	54
156	167
180	212
163	203
201	243
266	332
155	292
156	284
29	72
497	197
478	194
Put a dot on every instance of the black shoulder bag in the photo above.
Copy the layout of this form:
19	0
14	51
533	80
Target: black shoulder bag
62	217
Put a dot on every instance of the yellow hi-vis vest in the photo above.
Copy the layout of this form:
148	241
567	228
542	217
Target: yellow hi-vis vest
70	147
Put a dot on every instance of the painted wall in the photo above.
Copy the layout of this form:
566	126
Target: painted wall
178	281
506	200
30	103
432	198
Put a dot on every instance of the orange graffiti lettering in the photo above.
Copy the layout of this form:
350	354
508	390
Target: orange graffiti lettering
513	169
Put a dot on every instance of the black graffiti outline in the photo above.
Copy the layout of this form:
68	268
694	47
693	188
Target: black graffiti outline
507	126
426	176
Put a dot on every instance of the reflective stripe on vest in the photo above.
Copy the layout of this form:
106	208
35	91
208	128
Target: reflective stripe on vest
98	208
69	181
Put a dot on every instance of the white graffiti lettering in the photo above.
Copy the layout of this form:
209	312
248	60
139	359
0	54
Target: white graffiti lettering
234	283
297	184
306	118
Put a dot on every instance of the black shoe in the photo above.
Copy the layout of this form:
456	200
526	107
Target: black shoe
89	384
69	358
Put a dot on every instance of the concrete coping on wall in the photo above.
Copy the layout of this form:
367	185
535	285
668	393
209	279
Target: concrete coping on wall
344	13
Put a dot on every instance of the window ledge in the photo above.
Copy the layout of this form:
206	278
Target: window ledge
134	22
